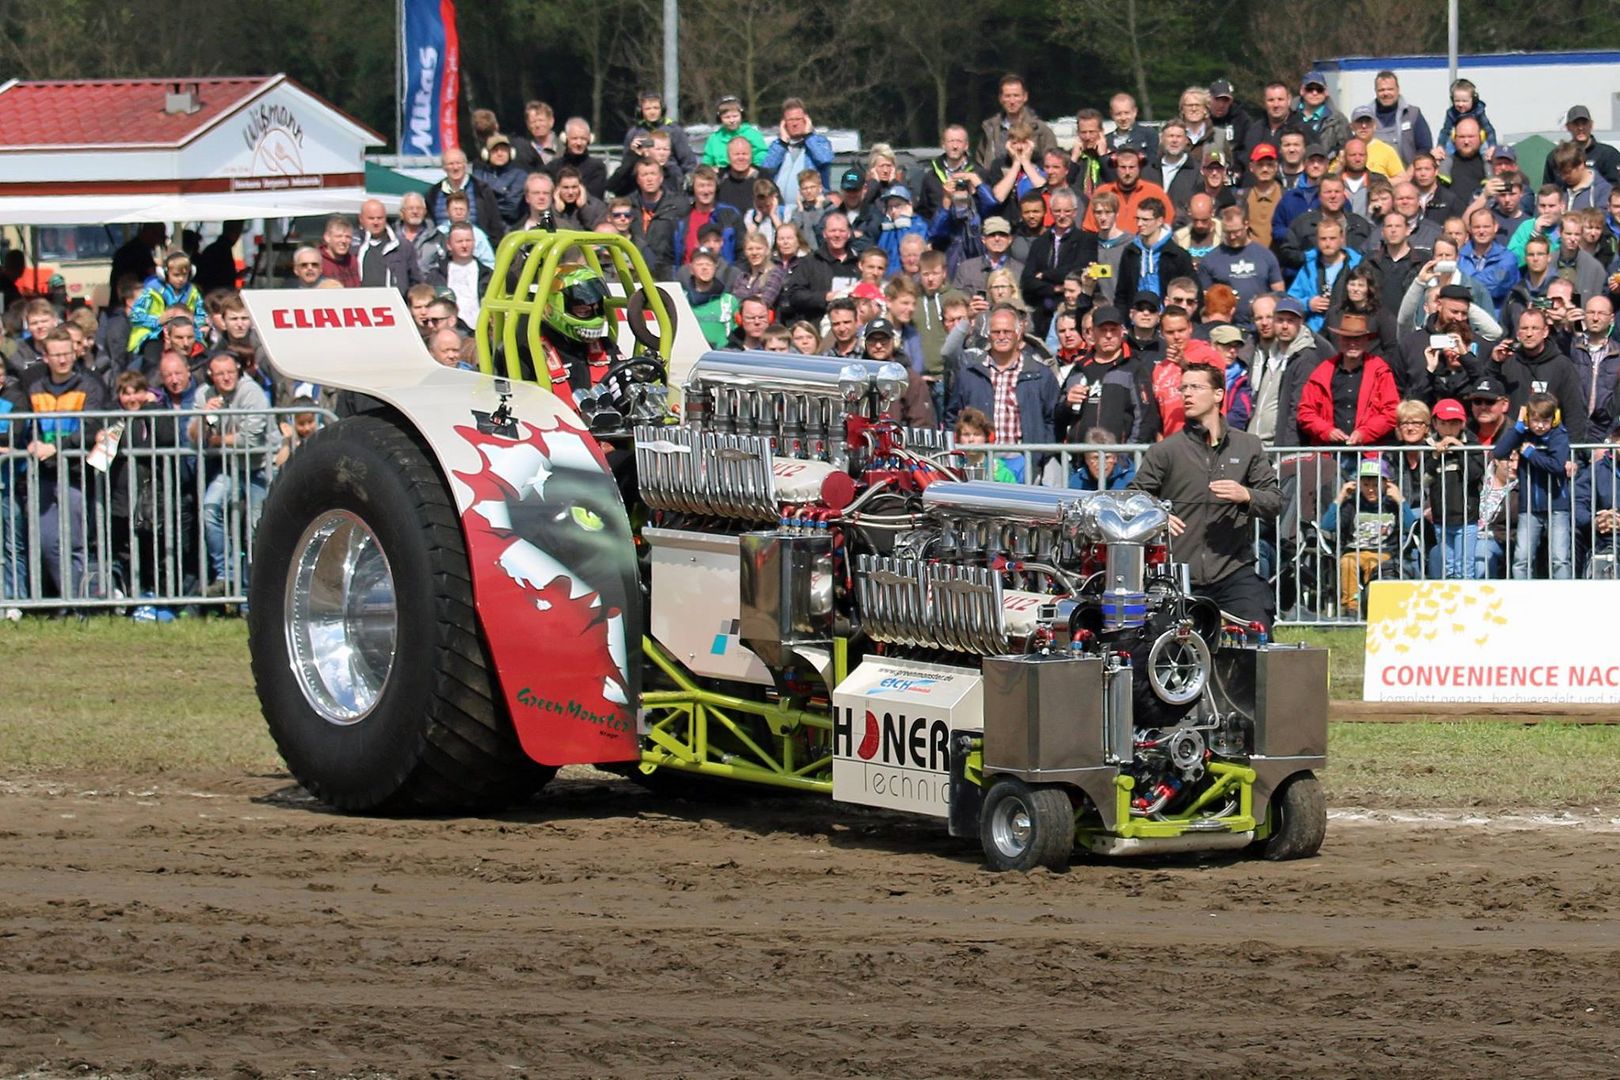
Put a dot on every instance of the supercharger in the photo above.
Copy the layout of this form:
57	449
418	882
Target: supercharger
1052	627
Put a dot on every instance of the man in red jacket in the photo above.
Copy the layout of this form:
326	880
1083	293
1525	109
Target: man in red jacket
1350	398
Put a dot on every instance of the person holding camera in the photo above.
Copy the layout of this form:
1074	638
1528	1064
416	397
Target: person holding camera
649	120
1531	363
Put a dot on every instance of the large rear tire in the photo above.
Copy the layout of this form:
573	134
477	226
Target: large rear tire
1023	826
366	649
1298	819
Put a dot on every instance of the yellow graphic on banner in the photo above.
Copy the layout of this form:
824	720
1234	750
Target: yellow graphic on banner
1403	613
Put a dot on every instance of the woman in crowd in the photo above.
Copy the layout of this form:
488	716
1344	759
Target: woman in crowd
806	339
1362	297
759	276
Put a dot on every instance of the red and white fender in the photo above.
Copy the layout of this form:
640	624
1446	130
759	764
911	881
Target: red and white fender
549	542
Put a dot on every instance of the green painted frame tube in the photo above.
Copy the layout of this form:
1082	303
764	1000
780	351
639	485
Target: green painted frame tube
503	307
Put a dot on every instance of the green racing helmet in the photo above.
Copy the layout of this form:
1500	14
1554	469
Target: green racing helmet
577	307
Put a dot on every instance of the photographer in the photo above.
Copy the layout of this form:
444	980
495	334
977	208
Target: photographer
656	146
651	121
1532	364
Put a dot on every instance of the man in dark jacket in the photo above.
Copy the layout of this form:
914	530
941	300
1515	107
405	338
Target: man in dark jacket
1007	381
577	152
1062	248
483	210
1108	389
1330	206
384	259
1153	259
1532	365
658	215
59	385
503	178
1218	482
826	273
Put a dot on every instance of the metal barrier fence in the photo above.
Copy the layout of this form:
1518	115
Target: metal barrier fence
129	510
163	522
1427	514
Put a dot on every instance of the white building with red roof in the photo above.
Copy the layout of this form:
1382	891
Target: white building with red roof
128	150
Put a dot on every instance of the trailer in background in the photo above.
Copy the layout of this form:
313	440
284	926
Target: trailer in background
1524	93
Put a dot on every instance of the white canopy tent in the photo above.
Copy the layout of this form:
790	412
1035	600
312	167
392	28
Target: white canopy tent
119	209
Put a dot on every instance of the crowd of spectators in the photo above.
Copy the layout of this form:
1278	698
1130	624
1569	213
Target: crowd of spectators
1366	274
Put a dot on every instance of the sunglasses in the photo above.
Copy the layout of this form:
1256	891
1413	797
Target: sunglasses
620	213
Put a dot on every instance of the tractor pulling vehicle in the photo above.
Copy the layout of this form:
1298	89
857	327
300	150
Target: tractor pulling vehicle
480	577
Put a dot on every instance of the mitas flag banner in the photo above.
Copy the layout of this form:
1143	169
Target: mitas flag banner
432	76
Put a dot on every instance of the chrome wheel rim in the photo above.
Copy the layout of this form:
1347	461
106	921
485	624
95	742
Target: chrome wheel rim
341	617
1010	828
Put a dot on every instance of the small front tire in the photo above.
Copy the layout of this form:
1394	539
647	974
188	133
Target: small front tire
1298	819
1023	826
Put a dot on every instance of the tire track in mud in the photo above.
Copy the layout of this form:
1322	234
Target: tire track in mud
227	926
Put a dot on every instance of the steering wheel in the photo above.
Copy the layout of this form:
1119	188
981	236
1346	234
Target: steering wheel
649	364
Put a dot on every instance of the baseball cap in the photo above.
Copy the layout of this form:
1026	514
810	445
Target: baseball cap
1578	112
1107	315
495	140
867	291
1316	150
1145	298
1362	112
1264	150
1450	409
1289	305
56	281
994	225
1373	468
851	180
880	326
1488	387
898	191
1505	153
1214	157
1220	88
1456	292
1222	335
1314	78
705	253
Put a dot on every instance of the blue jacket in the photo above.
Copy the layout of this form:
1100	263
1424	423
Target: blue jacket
1308	283
783	162
1543	484
955	230
1036	390
1119	477
889	239
1301	199
1477	113
1496	270
1597	487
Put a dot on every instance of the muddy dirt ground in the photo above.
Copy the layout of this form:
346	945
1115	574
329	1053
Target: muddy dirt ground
221	926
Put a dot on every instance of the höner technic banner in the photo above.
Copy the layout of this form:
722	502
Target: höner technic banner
432	77
1492	641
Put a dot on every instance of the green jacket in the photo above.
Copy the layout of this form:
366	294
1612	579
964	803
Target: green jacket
714	149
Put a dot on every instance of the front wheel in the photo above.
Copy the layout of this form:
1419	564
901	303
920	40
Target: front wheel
366	650
1298	820
1023	826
